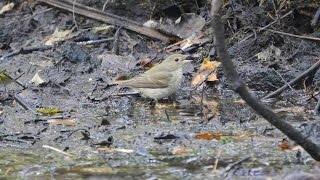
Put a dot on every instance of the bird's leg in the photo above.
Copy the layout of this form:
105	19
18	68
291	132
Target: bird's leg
153	103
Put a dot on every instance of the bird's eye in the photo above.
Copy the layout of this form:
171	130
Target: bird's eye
176	60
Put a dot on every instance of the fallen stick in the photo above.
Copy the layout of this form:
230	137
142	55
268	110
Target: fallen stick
26	51
294	35
106	17
295	80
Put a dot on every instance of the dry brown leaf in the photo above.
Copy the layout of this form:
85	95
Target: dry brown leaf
206	72
284	145
209	65
212	77
208	136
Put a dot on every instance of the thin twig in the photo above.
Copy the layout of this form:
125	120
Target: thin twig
91	42
107	18
115	48
265	27
293	35
73	15
316	18
26	50
317	108
24	19
167	115
57	150
105	4
286	82
24	104
295	80
231	166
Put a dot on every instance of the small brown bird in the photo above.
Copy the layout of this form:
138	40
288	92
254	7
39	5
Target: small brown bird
160	81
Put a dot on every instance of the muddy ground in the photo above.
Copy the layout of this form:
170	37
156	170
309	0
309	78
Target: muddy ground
203	131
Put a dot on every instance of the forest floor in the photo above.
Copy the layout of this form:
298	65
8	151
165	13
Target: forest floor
67	120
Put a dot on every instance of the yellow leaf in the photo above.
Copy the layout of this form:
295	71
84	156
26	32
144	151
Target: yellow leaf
104	29
5	79
57	36
49	111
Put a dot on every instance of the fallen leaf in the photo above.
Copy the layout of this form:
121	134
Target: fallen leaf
5	79
37	80
104	29
284	145
209	65
206	72
58	36
269	54
194	39
7	8
208	136
49	111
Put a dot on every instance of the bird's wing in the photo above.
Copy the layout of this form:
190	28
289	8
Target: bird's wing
154	80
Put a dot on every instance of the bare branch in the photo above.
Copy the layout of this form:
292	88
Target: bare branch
247	95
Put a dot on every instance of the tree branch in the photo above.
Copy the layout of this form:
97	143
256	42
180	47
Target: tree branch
247	95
